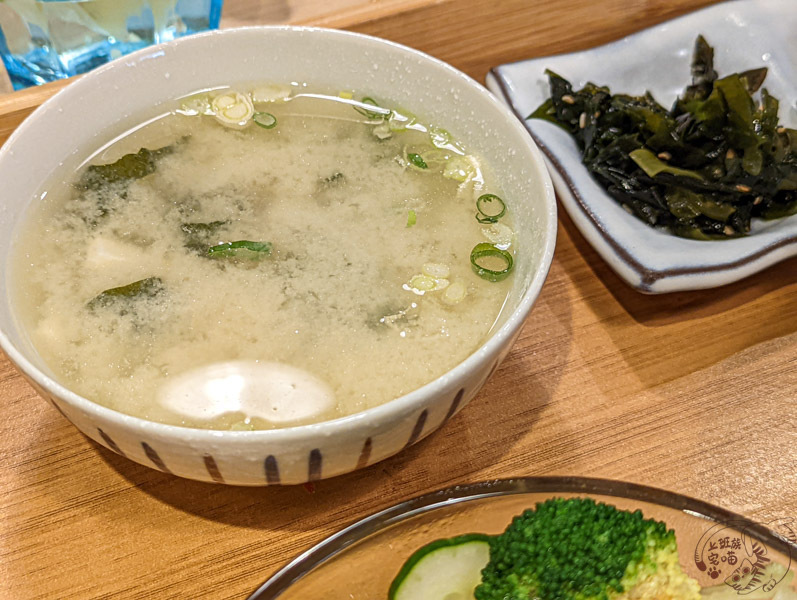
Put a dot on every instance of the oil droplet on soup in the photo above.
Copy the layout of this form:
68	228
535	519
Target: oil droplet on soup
261	259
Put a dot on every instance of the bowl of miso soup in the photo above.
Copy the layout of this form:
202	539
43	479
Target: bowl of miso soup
268	255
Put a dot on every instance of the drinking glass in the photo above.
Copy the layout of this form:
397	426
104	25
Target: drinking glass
45	40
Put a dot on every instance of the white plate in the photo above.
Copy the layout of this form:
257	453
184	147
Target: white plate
745	34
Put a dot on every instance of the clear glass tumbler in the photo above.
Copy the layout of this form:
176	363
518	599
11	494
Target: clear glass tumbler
45	40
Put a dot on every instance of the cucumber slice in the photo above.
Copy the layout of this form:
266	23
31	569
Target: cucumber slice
448	569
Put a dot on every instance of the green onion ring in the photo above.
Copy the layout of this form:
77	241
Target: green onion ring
369	113
265	120
485	249
484	217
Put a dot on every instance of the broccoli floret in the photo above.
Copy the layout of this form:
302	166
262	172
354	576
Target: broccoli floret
579	549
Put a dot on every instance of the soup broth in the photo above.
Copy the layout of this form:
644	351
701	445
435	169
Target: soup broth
239	271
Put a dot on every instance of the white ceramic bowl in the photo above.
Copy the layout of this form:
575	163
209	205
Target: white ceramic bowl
103	100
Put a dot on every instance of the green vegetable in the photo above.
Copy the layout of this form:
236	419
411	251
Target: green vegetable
400	121
127	168
484	251
578	549
444	569
371	114
240	249
652	165
442	138
233	109
703	168
564	549
97	178
417	160
265	120
411	218
198	236
145	288
490	214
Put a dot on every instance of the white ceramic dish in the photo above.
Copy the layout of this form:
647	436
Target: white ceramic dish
745	34
101	102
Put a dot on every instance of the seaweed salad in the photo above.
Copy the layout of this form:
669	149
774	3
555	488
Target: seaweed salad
701	169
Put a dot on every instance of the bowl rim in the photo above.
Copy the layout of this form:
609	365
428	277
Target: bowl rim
375	415
336	543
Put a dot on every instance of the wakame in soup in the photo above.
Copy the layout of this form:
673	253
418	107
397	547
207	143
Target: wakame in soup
264	258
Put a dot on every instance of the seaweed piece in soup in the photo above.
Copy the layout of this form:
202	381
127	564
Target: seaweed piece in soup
122	298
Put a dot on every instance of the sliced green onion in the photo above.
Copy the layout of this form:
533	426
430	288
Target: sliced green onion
420	284
417	160
459	169
475	175
233	109
411	218
442	138
486	250
455	293
400	121
423	283
265	120
491	216
382	131
371	114
435	156
436	270
240	249
198	104
499	234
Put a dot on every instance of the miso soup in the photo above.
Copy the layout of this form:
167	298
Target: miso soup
264	258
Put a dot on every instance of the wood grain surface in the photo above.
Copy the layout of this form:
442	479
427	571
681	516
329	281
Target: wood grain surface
692	392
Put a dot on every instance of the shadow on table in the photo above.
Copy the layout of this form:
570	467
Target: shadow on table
654	310
665	336
472	442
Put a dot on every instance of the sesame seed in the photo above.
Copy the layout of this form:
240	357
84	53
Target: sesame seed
582	120
781	130
758	200
740	187
664	155
730	154
568	99
728	230
627	209
597	114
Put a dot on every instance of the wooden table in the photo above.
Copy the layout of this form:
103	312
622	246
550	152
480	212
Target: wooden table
692	392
